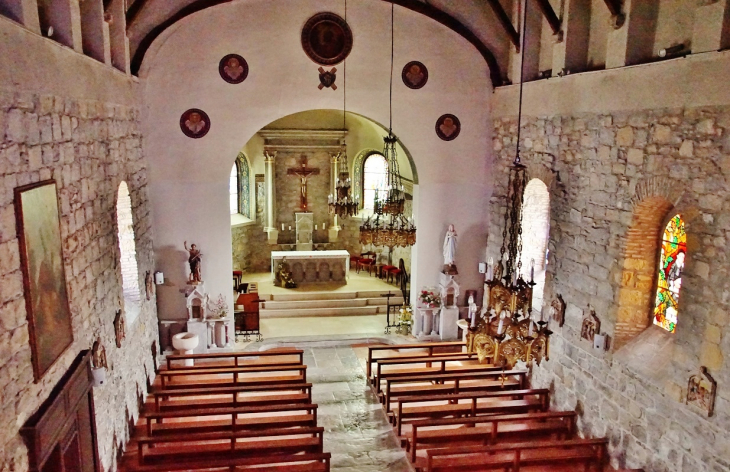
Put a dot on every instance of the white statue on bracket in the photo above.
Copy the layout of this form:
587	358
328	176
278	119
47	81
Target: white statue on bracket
449	252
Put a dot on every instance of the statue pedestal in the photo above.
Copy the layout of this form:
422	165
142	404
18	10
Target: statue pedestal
448	329
272	236
425	327
464	325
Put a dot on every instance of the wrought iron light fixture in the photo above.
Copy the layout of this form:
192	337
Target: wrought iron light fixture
342	203
390	227
505	331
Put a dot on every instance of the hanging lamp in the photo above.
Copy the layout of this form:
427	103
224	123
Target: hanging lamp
390	227
342	203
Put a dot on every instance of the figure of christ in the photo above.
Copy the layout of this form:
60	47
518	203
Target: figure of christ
303	173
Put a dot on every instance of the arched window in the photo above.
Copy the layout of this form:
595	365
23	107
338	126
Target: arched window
375	180
669	280
127	253
535	236
233	188
239	187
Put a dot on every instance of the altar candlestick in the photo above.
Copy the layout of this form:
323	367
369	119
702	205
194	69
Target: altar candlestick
473	320
324	225
315	227
282	226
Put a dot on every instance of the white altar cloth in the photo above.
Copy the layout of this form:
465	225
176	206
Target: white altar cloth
326	268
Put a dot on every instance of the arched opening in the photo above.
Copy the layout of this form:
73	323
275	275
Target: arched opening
637	290
669	277
535	236
127	253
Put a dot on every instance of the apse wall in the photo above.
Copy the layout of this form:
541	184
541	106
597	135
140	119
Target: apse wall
189	176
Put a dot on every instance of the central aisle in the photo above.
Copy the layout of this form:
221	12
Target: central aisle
357	432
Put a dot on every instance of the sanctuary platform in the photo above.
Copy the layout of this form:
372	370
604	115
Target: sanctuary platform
308	267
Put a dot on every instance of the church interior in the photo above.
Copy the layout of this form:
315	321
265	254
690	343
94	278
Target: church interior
364	235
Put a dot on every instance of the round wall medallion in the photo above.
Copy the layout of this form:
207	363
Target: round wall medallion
414	75
194	123
233	68
327	39
448	127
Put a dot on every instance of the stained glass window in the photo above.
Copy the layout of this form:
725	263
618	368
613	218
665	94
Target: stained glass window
671	265
233	189
375	179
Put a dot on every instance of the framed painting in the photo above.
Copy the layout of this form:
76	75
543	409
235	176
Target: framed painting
44	278
326	39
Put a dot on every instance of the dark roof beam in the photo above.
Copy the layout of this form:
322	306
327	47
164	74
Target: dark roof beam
506	23
550	16
617	18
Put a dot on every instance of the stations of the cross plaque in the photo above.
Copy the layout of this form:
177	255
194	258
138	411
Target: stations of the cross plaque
303	172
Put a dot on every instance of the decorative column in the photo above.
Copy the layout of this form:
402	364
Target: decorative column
335	228
269	175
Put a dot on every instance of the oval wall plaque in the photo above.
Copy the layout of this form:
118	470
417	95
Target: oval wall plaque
448	127
327	39
233	68
414	75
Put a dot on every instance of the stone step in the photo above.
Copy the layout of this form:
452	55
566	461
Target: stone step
316	312
341	303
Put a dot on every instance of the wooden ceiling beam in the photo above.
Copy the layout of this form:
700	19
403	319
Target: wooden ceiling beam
550	16
506	22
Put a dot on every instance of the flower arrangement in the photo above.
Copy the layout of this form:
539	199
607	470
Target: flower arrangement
405	314
219	308
429	298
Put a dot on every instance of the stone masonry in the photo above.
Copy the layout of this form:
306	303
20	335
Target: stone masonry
88	148
614	180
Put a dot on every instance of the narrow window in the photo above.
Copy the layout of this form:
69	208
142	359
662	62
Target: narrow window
233	189
535	237
669	280
375	180
127	253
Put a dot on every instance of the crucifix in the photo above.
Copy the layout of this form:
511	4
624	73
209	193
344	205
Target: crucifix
303	172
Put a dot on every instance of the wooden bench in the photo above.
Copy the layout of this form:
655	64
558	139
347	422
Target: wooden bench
236	356
166	377
436	383
389	362
190	447
397	347
500	402
441	369
490	429
512	456
261	422
163	399
319	462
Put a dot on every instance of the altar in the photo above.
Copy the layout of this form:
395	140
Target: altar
314	266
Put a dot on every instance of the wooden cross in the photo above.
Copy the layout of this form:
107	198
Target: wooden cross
303	172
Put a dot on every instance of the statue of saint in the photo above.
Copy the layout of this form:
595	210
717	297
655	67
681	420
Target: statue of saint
282	276
194	261
450	252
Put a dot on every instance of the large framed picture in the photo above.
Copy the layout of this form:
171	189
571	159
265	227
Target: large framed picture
44	278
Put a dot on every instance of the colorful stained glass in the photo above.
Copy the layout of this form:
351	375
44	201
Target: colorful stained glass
671	265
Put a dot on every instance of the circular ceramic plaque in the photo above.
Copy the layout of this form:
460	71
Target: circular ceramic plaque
327	39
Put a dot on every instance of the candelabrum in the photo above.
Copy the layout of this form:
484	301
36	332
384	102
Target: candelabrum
343	204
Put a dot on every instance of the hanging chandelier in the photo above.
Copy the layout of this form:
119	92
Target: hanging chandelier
505	331
342	203
390	228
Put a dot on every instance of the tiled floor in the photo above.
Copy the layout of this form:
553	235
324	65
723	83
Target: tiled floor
356	430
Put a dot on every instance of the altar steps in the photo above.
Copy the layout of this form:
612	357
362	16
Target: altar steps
315	304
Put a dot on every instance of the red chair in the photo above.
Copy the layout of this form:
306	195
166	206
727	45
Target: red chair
385	270
367	259
392	274
354	260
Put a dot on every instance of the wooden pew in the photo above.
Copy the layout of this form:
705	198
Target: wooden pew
489	429
284	419
236	372
191	447
319	462
389	363
512	456
458	382
163	399
237	357
429	347
441	369
499	402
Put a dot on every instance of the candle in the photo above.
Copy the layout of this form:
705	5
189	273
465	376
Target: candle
532	270
282	226
315	227
501	325
531	330
289	228
324	225
473	320
514	277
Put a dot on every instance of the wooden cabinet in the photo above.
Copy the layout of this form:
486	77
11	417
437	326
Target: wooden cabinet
61	435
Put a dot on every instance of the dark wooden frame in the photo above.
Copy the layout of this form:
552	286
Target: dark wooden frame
335	20
407	83
226	77
186	131
57	422
38	369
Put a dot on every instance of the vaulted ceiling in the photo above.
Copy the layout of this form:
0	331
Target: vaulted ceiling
475	20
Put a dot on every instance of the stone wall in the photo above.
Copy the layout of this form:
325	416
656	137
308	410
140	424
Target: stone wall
88	147
614	180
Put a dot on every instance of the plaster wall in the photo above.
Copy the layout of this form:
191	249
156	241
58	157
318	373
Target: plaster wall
189	177
611	152
67	117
